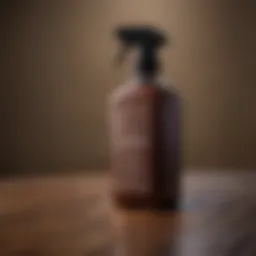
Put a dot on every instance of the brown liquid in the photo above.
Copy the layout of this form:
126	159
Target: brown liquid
160	161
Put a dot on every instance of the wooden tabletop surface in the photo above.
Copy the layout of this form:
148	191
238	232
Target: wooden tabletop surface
72	215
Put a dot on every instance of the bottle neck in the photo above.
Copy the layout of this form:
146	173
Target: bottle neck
145	78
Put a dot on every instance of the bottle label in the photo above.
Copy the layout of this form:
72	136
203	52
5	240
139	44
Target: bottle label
132	141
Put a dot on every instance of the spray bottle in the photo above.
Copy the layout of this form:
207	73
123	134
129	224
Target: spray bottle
144	126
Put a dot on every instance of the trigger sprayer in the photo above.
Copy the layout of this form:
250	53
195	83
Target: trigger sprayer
148	40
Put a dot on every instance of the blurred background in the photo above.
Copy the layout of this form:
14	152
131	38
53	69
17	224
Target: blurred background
57	70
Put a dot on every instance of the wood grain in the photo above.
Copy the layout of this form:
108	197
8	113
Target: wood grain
72	215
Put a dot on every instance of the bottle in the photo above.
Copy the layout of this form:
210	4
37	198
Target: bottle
144	127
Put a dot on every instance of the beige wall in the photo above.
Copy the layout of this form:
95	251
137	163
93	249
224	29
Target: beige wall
57	71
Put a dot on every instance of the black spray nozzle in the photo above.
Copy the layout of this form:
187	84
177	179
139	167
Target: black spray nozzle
147	39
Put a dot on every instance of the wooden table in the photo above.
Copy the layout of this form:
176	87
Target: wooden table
72	215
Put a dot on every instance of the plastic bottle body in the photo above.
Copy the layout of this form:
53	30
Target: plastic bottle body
144	125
